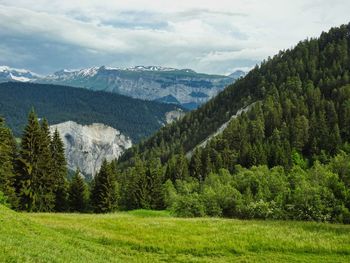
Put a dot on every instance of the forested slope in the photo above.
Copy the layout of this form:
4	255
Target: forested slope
287	157
133	117
300	90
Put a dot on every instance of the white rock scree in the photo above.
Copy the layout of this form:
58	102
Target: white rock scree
86	146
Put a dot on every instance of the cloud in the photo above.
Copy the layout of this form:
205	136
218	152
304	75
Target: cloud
208	36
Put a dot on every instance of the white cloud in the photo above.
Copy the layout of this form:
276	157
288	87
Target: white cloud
209	36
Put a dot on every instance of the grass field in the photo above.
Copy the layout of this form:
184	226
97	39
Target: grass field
148	236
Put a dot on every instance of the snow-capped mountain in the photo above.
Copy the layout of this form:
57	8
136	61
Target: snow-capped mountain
13	74
163	84
186	86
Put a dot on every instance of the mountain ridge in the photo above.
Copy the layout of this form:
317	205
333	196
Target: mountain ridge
142	82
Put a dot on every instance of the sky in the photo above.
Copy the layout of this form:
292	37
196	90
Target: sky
216	37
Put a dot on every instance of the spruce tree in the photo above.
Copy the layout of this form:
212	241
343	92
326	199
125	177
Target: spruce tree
77	193
59	171
47	182
35	182
104	191
7	155
155	176
29	179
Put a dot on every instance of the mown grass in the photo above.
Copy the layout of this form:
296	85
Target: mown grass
149	236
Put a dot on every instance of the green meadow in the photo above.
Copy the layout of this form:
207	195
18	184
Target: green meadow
150	236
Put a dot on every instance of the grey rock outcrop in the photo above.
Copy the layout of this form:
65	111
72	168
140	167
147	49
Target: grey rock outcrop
86	146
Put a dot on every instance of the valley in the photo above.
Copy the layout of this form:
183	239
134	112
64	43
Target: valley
234	148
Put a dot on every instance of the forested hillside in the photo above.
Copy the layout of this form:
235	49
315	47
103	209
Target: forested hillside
133	117
294	141
296	90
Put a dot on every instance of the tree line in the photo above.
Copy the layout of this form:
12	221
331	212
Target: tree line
34	175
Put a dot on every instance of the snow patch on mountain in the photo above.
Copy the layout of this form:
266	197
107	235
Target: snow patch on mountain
14	74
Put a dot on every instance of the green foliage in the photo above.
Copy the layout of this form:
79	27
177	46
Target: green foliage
3	199
8	153
78	193
104	195
61	103
59	171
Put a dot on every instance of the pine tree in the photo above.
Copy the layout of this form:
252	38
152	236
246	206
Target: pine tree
142	187
196	165
29	177
155	176
7	155
47	183
59	171
104	194
77	193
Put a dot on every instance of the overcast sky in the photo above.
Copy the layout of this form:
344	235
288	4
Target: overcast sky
208	36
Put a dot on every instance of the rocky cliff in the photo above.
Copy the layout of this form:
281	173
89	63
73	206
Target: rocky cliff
87	145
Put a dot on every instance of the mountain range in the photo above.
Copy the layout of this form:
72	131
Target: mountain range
168	85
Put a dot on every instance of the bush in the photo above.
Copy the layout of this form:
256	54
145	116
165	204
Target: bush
189	206
3	200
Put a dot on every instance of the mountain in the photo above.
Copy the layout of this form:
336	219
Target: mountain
86	146
13	74
237	74
148	83
167	85
298	102
134	118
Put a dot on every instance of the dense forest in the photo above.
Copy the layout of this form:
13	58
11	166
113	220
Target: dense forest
287	157
299	120
134	118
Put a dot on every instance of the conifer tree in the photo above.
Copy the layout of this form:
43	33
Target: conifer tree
104	194
47	183
196	165
77	193
7	155
35	182
155	184
59	171
29	178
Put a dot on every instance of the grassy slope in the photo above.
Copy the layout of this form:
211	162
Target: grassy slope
143	236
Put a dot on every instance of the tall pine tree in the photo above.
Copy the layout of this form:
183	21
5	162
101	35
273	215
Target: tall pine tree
59	171
104	194
7	155
78	195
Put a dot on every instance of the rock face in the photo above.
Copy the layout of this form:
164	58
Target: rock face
184	86
174	115
87	146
